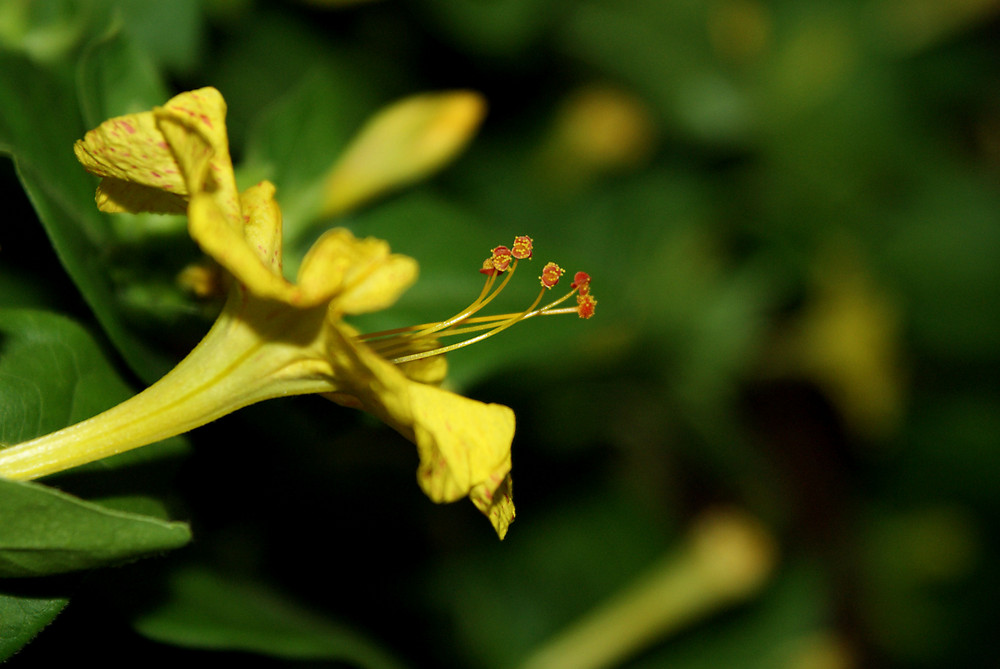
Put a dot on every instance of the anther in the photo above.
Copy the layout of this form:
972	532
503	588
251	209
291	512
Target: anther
501	258
488	268
550	274
522	247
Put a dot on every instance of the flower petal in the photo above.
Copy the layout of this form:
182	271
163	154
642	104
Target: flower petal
139	169
464	445
464	449
497	504
262	224
153	161
215	234
360	274
115	196
194	125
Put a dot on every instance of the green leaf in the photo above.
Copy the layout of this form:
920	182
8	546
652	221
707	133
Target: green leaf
46	531
62	194
208	610
498	28
171	32
116	77
52	374
296	140
23	615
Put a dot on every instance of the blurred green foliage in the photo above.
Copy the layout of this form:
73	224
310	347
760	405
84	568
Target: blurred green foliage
791	215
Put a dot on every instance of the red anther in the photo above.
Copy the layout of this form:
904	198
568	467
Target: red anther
550	274
488	268
581	281
501	258
522	247
585	305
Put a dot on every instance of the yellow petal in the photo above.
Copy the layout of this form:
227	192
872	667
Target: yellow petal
378	287
194	125
361	274
262	224
153	161
401	144
496	504
130	151
430	370
464	445
217	237
115	196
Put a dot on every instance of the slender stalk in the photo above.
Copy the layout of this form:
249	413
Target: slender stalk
727	557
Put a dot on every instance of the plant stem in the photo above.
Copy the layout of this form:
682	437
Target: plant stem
727	557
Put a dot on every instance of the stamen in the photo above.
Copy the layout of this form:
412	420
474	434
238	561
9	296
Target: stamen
415	342
501	258
550	274
488	268
522	247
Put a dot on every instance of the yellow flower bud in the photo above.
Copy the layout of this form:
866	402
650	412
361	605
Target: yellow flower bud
403	143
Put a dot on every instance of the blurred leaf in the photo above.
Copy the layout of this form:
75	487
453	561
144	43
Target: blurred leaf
63	195
253	78
941	253
576	554
295	140
170	32
663	50
209	610
45	30
45	531
115	77
499	27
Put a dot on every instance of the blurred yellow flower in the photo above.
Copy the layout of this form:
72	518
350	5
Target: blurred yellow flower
401	144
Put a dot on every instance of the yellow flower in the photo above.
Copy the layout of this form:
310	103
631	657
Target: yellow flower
277	338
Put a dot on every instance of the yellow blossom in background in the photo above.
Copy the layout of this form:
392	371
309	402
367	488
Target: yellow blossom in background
598	130
847	342
401	144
